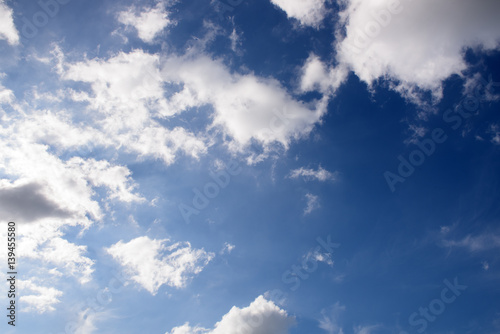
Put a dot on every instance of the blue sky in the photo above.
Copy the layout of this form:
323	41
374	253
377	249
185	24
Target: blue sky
257	167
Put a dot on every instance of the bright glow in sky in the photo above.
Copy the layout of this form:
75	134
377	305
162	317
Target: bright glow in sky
256	167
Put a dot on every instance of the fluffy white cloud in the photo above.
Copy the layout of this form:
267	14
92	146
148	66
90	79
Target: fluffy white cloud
308	12
152	263
247	107
312	203
37	298
8	30
128	94
149	22
43	243
417	44
316	76
261	317
320	174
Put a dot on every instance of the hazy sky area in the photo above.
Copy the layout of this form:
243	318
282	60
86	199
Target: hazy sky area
251	167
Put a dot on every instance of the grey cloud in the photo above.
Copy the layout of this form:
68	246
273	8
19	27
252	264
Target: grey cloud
28	203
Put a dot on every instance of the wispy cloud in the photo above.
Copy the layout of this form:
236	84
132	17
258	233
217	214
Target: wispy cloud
312	203
475	243
319	174
227	249
330	320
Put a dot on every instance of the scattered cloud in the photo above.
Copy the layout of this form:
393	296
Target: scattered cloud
317	256
153	263
307	12
149	22
247	108
227	249
43	242
320	174
8	30
261	317
128	95
35	298
312	203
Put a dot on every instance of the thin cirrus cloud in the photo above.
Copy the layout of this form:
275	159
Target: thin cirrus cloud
312	203
309	174
481	242
375	43
8	30
260	317
153	263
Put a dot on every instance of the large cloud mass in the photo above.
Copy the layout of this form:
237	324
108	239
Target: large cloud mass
414	44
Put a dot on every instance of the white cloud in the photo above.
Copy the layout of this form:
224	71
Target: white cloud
128	92
418	44
261	317
308	12
8	30
247	107
35	298
153	263
148	23
320	174
103	174
128	95
43	243
316	76
312	203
